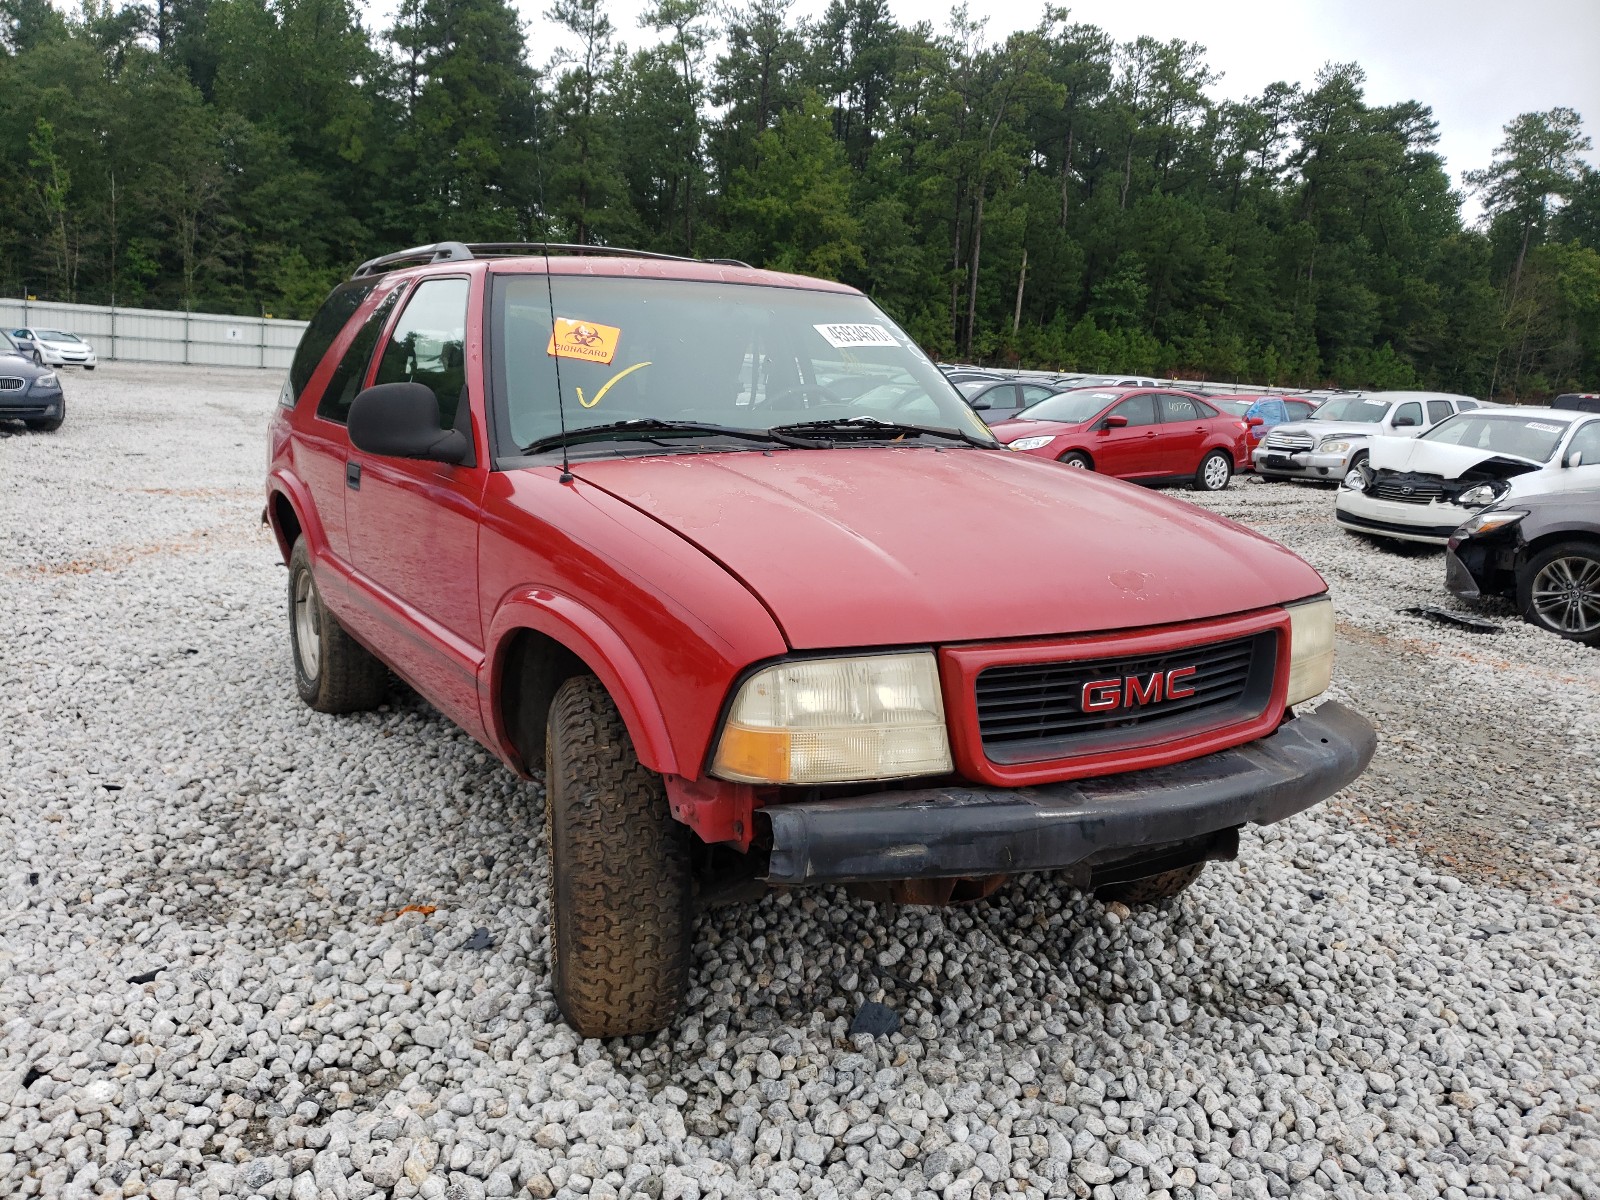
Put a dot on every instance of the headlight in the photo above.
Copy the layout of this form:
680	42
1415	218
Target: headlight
1032	443
837	720
1491	522
47	381
1310	649
1358	480
1484	494
1334	445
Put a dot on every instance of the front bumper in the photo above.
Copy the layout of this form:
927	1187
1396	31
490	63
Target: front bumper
1301	464
959	831
66	358
28	406
1431	524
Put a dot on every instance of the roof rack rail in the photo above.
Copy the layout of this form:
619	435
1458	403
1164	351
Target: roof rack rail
456	251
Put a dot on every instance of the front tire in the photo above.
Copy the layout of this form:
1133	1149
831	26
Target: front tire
333	672
88	366
621	915
1558	589
1077	460
48	424
1213	473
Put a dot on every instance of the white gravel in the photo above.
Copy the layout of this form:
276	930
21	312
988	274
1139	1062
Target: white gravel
205	989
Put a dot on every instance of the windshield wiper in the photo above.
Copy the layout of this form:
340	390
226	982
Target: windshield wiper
645	426
878	428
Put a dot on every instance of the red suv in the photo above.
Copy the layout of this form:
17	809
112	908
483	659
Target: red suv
712	548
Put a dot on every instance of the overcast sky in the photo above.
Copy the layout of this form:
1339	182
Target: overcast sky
1477	63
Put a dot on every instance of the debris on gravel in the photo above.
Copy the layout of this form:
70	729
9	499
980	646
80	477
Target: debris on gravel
250	950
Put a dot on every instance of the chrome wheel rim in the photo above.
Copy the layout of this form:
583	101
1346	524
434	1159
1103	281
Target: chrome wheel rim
307	625
1077	464
1566	595
1216	473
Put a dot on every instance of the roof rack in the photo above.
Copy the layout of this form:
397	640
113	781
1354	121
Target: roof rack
458	251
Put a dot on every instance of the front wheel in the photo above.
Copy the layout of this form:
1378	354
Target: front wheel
620	884
1076	460
88	366
38	359
1559	590
333	672
48	424
1214	472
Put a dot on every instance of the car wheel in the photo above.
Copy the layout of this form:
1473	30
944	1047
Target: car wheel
1076	459
620	886
88	366
1559	589
1151	890
333	672
1214	472
48	424
38	359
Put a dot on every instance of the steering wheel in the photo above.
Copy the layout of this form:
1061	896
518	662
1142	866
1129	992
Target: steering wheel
782	401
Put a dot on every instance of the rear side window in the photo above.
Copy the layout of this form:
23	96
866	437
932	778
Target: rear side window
352	369
337	309
1438	410
1176	408
428	344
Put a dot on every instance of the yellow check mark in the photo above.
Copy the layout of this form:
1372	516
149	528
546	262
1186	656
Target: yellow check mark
601	394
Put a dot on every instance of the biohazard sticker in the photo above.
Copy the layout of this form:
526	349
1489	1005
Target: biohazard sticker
583	340
841	337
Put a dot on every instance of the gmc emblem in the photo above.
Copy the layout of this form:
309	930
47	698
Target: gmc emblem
1131	691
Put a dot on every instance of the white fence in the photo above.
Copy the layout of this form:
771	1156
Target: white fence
146	335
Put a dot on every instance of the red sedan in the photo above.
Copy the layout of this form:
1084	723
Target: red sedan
1150	434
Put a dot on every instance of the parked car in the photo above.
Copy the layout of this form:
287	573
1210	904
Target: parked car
1153	436
55	347
1335	438
29	393
769	637
1421	489
1581	401
1543	552
1111	381
1301	407
973	376
1001	400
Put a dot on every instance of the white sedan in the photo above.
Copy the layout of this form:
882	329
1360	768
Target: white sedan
1422	489
55	347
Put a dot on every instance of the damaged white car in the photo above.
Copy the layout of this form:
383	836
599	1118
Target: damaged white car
1422	489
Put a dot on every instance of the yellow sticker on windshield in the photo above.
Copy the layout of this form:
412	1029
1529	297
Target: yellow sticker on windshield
583	340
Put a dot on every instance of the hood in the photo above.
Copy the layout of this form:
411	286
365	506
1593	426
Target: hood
883	546
1007	432
1420	457
1321	429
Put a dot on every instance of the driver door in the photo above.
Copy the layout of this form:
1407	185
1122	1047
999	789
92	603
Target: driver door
1130	452
413	525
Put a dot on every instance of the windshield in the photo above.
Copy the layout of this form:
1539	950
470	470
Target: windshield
737	356
1517	436
1069	407
1354	409
55	335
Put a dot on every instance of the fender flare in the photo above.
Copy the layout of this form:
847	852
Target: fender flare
602	650
281	483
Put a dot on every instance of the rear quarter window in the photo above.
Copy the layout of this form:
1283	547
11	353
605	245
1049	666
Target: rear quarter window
336	310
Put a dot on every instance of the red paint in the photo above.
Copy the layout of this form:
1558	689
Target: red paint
670	576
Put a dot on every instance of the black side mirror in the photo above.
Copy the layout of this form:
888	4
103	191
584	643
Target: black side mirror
401	420
1404	423
980	405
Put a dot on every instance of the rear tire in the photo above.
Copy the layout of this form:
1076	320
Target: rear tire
1558	590
1213	473
621	890
1077	460
333	672
48	424
1151	890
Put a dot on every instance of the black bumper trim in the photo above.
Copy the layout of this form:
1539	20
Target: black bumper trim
970	831
1364	523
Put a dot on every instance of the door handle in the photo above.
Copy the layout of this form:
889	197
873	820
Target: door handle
352	475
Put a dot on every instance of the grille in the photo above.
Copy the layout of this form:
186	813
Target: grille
1288	441
1034	711
1407	491
10	383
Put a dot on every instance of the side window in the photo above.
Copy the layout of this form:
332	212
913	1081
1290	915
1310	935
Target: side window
1438	410
1464	405
1032	394
1409	413
338	308
1587	442
1176	408
428	344
352	369
1299	410
1274	412
1140	410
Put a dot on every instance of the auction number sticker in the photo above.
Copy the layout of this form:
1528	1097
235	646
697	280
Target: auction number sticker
1545	428
842	337
583	340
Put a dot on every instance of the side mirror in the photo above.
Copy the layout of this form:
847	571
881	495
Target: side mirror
401	420
1253	422
980	405
1114	421
1403	422
1575	459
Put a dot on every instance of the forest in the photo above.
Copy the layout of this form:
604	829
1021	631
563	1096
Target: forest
1041	197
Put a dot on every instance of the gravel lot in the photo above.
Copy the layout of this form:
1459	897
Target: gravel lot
206	990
